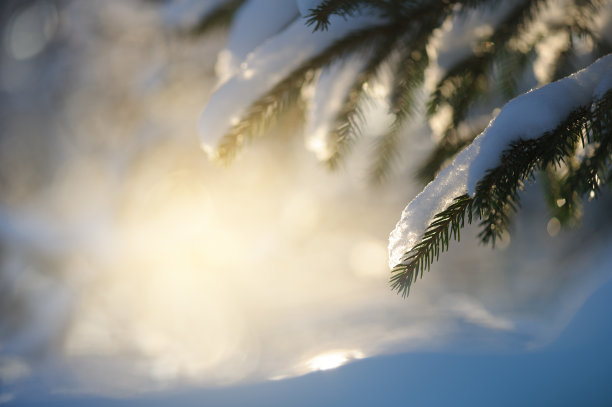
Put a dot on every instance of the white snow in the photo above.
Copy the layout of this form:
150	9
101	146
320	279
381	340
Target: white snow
437	195
247	32
265	67
327	99
526	117
535	112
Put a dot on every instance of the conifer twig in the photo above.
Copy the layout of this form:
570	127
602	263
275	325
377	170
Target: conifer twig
497	193
445	225
263	111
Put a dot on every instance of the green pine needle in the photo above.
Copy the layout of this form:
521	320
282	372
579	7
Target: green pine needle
497	193
263	112
445	225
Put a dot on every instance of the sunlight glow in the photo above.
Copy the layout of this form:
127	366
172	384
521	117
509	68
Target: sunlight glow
318	143
332	360
137	265
248	73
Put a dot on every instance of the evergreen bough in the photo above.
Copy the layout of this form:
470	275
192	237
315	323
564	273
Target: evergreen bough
493	71
497	193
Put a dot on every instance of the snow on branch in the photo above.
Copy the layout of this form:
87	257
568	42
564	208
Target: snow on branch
435	240
534	130
275	61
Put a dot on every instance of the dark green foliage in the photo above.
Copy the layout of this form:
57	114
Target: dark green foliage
409	69
406	25
350	118
566	212
408	78
494	67
413	10
390	9
435	240
371	43
494	61
386	153
587	175
319	16
262	114
492	73
468	79
497	194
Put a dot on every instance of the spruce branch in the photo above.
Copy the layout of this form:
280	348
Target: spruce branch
408	76
594	169
350	118
564	204
497	193
386	153
447	148
426	16
262	114
408	80
319	16
468	80
347	127
412	10
584	13
500	58
265	110
502	64
445	225
579	26
508	65
563	64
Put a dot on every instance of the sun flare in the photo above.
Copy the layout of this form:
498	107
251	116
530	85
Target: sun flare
332	360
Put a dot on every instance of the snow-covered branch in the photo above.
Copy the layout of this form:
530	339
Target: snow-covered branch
557	116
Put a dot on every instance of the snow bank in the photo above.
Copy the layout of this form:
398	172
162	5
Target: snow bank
526	117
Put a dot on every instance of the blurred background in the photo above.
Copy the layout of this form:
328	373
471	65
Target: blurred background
130	264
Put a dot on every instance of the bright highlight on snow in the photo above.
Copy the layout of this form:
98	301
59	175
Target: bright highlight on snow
332	360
